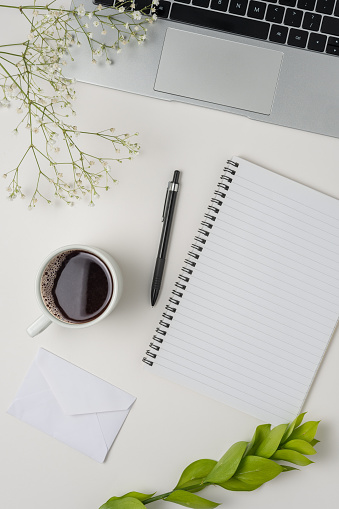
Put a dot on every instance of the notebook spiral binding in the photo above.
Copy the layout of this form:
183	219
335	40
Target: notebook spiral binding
190	262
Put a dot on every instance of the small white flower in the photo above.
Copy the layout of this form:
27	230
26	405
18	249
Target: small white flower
96	23
108	61
121	9
81	10
136	15
104	32
90	35
89	15
94	61
99	7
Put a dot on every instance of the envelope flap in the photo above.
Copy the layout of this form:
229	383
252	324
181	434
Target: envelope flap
78	391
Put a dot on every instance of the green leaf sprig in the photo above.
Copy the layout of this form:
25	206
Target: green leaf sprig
244	467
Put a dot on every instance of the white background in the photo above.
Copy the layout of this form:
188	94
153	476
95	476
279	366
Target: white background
169	426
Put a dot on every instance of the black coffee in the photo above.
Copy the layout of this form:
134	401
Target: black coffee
76	286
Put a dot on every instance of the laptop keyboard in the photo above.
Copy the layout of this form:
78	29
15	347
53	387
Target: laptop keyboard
307	24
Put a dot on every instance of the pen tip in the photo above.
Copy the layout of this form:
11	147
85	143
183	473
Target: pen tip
154	296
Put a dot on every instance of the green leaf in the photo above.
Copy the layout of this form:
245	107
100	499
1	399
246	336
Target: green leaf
195	473
314	442
294	424
300	446
306	431
237	485
255	470
190	500
287	468
271	442
292	457
260	434
228	464
124	502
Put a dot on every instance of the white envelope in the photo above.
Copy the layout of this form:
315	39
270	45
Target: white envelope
71	405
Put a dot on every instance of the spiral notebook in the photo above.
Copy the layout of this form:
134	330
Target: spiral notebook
257	300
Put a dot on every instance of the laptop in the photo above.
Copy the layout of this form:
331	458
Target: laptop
275	61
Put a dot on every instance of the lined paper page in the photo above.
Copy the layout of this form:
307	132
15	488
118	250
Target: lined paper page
263	300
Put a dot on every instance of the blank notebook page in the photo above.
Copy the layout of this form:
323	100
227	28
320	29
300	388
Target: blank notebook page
249	322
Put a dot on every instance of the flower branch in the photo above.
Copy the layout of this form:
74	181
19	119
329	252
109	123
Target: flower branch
32	76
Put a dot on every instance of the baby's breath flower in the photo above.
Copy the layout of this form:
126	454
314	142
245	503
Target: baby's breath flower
81	11
43	56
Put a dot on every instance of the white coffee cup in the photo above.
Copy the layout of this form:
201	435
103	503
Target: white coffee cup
47	317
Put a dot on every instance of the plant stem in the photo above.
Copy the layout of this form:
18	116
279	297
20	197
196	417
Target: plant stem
165	495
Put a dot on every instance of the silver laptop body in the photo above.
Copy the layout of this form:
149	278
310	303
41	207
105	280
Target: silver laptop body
263	80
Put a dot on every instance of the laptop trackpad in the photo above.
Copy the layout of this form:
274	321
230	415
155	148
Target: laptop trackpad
218	71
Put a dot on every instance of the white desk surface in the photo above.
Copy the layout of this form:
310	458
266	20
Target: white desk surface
169	426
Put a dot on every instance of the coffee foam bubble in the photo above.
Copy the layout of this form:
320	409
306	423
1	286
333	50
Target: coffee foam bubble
47	284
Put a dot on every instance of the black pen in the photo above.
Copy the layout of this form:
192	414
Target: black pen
167	217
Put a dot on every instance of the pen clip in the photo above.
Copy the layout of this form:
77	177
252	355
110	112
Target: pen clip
164	212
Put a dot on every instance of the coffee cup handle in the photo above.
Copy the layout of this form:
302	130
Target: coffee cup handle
39	325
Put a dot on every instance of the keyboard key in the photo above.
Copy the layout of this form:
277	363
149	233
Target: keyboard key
219	5
201	3
317	42
106	3
332	50
293	17
325	6
307	5
141	4
288	3
238	7
297	38
336	9
278	34
163	9
256	9
311	21
275	13
333	41
220	21
184	1
330	26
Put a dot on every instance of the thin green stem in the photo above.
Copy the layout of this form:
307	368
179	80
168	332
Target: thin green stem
165	495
